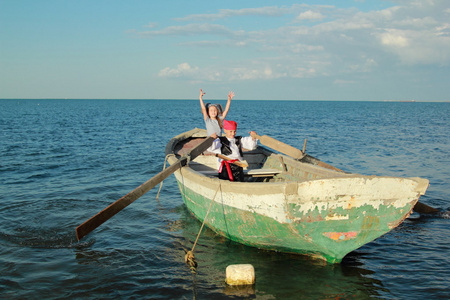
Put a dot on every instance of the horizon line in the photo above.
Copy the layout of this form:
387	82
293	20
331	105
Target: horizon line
179	99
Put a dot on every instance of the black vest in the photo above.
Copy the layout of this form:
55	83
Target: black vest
225	149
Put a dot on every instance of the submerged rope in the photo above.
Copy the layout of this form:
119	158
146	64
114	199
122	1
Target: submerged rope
189	258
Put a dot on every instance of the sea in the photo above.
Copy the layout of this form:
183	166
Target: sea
63	161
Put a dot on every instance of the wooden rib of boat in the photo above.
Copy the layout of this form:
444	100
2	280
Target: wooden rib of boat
297	206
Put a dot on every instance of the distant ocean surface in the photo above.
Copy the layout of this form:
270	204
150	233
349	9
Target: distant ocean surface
62	161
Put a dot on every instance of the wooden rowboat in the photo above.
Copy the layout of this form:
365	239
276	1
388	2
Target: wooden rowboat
292	205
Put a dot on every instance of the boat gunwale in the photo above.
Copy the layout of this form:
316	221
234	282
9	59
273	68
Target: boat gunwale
172	157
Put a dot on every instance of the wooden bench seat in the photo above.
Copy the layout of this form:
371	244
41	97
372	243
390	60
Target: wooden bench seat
262	172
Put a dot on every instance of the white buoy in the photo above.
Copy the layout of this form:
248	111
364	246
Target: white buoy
243	274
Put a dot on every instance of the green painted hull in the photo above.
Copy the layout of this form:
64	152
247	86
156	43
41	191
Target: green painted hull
308	209
314	234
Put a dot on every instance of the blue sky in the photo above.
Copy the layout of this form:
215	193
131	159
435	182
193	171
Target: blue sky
275	50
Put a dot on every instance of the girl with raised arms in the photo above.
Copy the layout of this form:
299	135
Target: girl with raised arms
213	114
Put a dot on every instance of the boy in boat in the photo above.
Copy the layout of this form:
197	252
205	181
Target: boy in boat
231	146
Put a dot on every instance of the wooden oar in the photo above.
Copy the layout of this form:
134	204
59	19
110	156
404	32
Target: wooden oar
298	154
104	215
424	209
242	164
280	146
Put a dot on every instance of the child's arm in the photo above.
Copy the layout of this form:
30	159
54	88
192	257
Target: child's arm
227	107
250	142
202	105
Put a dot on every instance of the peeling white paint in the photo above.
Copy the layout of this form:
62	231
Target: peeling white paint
326	194
336	217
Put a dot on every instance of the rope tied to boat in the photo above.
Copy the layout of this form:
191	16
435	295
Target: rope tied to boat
164	167
189	258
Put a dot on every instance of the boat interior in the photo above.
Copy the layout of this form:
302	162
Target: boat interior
264	165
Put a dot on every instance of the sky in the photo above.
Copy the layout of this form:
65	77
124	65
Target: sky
358	50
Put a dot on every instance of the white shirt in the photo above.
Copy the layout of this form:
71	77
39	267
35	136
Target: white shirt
247	142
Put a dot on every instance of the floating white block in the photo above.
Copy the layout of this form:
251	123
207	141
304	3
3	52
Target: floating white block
242	274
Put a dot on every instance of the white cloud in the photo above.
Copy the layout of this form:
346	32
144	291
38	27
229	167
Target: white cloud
418	23
348	41
344	82
443	30
428	47
263	72
193	73
183	69
301	72
151	25
365	65
310	15
191	29
227	13
394	38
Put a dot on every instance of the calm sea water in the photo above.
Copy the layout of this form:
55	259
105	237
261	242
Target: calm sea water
62	161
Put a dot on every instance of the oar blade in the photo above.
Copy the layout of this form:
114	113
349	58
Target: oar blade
422	208
104	215
281	147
